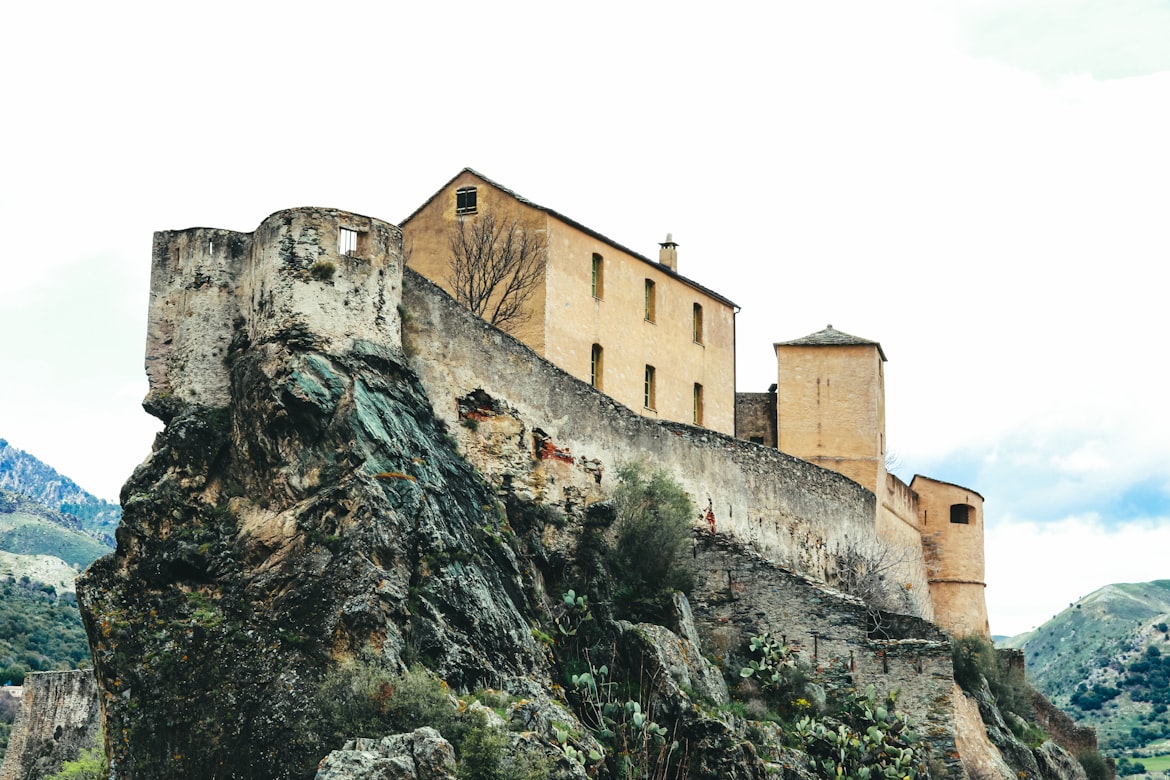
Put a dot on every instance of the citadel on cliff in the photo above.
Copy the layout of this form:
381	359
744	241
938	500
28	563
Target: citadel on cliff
353	463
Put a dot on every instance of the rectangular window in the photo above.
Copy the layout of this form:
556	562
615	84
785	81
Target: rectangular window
649	301
649	391
598	276
697	323
595	367
465	200
698	404
347	241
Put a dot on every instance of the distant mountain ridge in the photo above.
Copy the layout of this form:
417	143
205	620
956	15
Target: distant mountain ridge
1106	661
24	474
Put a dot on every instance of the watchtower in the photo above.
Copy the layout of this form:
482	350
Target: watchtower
951	517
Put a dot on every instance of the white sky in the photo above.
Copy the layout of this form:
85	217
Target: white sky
981	186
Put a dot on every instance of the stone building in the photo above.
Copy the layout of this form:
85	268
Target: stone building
652	339
828	407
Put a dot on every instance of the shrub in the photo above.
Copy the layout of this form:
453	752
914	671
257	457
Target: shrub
322	270
654	526
1094	765
365	698
90	765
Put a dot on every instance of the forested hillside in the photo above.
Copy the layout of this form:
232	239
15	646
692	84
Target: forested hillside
1106	661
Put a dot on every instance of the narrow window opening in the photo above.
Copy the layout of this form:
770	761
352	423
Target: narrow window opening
697	323
698	404
649	389
598	276
960	513
756	439
465	200
347	241
650	302
595	367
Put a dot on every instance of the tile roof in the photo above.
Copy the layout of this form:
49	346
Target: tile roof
831	337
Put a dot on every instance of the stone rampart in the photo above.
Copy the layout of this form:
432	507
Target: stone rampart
526	424
59	716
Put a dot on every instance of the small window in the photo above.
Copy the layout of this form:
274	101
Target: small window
698	404
697	323
595	367
649	301
649	391
598	276
347	241
960	513
465	198
756	439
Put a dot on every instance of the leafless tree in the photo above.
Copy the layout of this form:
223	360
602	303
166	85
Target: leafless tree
497	263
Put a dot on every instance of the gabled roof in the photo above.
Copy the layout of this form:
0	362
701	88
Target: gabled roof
831	337
575	224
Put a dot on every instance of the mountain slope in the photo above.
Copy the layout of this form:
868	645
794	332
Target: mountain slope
1106	661
28	528
24	474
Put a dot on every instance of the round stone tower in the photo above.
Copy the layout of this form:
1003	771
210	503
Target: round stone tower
951	517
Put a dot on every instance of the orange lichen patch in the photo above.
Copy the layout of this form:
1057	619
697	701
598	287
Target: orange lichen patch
394	475
549	451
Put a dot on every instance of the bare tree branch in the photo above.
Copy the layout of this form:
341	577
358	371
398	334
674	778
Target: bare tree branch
496	266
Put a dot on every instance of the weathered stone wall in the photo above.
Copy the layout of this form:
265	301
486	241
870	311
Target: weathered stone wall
755	417
526	424
212	291
741	594
59	716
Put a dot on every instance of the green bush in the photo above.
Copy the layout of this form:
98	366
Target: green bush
1094	765
975	659
486	755
654	526
365	698
90	765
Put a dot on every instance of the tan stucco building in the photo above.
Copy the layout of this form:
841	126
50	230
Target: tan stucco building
635	328
828	407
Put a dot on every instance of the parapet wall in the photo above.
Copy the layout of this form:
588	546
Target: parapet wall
323	276
525	423
59	716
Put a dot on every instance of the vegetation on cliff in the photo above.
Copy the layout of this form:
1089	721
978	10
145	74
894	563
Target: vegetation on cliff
1106	661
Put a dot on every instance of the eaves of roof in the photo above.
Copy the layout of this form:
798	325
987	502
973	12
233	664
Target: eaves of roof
583	228
831	337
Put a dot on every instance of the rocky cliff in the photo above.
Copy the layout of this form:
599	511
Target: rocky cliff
310	522
57	719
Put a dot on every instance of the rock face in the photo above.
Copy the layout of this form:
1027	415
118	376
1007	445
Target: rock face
59	716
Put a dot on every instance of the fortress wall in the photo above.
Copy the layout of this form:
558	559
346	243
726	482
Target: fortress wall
193	305
210	287
291	292
740	595
59	716
755	416
897	526
559	440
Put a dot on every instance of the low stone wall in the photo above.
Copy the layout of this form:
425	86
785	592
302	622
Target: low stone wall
59	716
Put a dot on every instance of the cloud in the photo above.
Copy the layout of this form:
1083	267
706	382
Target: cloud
1106	39
1036	570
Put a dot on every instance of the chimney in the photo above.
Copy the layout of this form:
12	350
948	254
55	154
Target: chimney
668	254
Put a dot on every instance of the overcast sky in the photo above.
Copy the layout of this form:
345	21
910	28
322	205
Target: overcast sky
981	186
